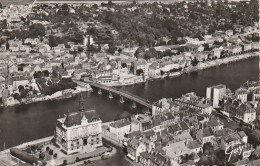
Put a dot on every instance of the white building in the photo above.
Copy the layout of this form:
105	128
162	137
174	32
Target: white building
120	128
78	131
241	94
216	93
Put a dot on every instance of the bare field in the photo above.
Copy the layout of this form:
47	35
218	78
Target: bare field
16	2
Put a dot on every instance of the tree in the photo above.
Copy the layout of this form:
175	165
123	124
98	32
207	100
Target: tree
112	48
46	73
34	148
24	94
119	50
151	53
139	53
55	74
208	148
187	157
41	156
124	65
23	19
162	73
194	62
51	152
53	41
37	74
7	46
80	49
139	71
16	96
65	162
36	30
1	6
95	6
20	87
110	3
28	149
65	7
34	91
167	53
67	45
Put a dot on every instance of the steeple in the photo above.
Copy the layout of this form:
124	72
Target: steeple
81	104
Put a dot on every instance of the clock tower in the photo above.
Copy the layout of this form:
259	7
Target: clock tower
81	104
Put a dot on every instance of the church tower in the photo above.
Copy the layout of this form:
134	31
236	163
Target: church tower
81	104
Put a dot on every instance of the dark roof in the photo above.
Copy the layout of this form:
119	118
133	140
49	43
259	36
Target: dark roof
159	159
76	117
149	133
145	155
156	122
184	126
223	132
213	123
207	132
147	125
174	128
194	144
134	143
134	134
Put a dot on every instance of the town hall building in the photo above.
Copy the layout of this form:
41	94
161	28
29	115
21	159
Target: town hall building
79	131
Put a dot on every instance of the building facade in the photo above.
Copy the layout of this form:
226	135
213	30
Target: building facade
216	93
78	131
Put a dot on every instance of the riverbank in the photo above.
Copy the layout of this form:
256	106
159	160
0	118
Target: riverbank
67	93
82	87
218	62
212	63
198	67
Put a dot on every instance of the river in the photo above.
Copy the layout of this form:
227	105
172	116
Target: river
29	122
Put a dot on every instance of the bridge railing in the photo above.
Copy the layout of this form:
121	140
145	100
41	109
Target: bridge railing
123	93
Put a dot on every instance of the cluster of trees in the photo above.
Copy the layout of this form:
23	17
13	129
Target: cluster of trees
253	37
144	53
34	31
62	85
73	35
41	74
3	24
23	92
194	21
33	149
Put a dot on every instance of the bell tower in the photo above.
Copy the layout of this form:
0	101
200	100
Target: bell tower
81	104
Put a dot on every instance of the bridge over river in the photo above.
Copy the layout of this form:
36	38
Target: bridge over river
121	93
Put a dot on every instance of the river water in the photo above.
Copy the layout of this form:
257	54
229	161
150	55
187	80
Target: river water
29	122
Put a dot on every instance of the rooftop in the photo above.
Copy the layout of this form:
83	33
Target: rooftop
75	118
120	123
